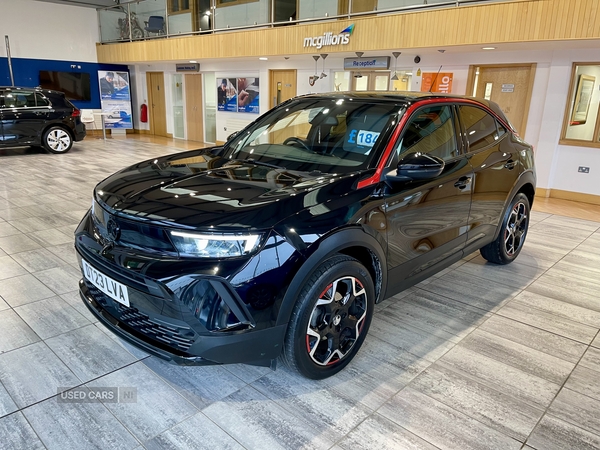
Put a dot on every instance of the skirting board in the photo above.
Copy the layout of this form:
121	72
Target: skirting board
568	195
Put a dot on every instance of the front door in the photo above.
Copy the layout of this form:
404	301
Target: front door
156	97
282	86
427	220
22	118
509	85
370	81
193	107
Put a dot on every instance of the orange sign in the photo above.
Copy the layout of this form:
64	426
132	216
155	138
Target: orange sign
442	82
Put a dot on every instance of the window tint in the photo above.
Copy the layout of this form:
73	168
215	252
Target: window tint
480	126
19	99
431	131
41	100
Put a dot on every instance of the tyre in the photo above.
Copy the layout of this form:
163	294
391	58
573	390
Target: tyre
331	318
509	242
137	33
57	140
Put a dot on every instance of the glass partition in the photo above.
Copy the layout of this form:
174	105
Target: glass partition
114	25
241	13
150	17
178	116
312	9
210	107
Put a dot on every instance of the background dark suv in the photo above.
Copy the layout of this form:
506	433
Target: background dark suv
38	117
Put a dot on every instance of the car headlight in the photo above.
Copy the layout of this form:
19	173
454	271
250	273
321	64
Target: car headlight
214	245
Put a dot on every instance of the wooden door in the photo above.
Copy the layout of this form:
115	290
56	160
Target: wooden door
509	86
193	107
157	107
370	81
282	86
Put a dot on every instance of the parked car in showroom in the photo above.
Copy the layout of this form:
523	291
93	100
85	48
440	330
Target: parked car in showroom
278	244
40	118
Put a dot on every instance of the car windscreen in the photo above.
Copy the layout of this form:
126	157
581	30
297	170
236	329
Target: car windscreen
339	135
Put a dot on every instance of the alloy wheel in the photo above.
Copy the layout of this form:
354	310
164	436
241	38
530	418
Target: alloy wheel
336	321
516	227
58	140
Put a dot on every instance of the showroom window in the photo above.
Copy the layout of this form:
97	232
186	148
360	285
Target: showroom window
581	125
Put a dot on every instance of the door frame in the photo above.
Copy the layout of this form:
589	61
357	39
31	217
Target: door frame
531	66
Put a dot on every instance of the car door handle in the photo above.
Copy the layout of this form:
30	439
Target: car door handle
462	182
510	165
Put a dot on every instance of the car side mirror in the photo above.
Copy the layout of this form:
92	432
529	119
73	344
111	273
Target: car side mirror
419	166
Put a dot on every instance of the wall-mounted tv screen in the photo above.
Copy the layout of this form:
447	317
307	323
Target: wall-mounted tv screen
75	85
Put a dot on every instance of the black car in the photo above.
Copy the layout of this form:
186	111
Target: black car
279	243
38	117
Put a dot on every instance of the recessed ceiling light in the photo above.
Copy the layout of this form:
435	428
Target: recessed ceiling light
488	48
193	61
263	59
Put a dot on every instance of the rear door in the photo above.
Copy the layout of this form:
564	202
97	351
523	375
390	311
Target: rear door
427	220
496	168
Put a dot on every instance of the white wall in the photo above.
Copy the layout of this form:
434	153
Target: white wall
40	30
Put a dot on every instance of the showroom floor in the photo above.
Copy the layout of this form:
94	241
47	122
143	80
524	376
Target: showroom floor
479	357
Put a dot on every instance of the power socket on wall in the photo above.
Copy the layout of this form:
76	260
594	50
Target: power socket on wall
583	169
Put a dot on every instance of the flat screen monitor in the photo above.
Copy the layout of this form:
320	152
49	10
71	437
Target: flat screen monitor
75	85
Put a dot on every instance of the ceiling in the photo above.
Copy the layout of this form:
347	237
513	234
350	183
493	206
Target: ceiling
86	3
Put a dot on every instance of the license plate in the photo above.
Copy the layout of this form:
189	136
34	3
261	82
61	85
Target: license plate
110	287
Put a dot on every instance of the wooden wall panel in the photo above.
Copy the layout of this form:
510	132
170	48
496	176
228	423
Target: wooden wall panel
512	21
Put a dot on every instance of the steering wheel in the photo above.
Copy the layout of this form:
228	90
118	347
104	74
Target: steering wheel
294	140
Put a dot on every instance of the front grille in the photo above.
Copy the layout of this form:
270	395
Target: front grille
178	338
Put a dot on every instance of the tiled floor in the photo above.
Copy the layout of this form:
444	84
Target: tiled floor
479	357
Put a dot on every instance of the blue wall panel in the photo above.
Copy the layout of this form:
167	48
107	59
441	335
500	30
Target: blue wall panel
27	74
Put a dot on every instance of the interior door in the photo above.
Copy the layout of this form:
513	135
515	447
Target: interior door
427	219
370	81
282	86
508	85
156	97
193	107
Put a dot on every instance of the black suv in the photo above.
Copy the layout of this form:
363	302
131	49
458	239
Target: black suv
279	243
38	117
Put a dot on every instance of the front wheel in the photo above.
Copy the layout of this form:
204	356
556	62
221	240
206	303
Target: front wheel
137	33
57	140
331	318
509	242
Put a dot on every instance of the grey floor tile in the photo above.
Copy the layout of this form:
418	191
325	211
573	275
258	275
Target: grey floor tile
577	409
3	304
591	359
6	229
60	279
560	242
565	294
133	350
201	386
51	316
529	388
74	299
10	268
536	338
34	373
13	213
573	224
258	423
441	425
30	224
89	353
514	275
23	289
596	342
7	405
17	243
555	434
17	434
522	312
332	413
196	433
585	381
246	372
37	260
518	355
49	237
78	426
484	294
378	433
158	406
494	408
66	252
14	331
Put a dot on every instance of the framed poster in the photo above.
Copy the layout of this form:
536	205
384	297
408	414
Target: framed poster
248	95
227	94
115	99
583	98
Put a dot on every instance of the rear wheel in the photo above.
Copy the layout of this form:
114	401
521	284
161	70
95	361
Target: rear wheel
331	318
509	242
57	140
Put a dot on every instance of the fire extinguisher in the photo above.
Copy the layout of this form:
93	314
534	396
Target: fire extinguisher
144	113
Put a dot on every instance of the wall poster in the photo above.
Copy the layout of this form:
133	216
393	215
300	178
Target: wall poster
227	94
238	94
115	99
437	82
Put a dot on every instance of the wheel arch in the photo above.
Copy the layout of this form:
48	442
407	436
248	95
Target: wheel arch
354	242
524	185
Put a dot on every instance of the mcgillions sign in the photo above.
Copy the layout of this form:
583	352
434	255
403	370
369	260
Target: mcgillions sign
330	39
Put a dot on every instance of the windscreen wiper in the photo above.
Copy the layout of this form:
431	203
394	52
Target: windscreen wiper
260	163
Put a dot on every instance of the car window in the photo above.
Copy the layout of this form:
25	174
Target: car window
480	126
431	131
19	99
41	100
